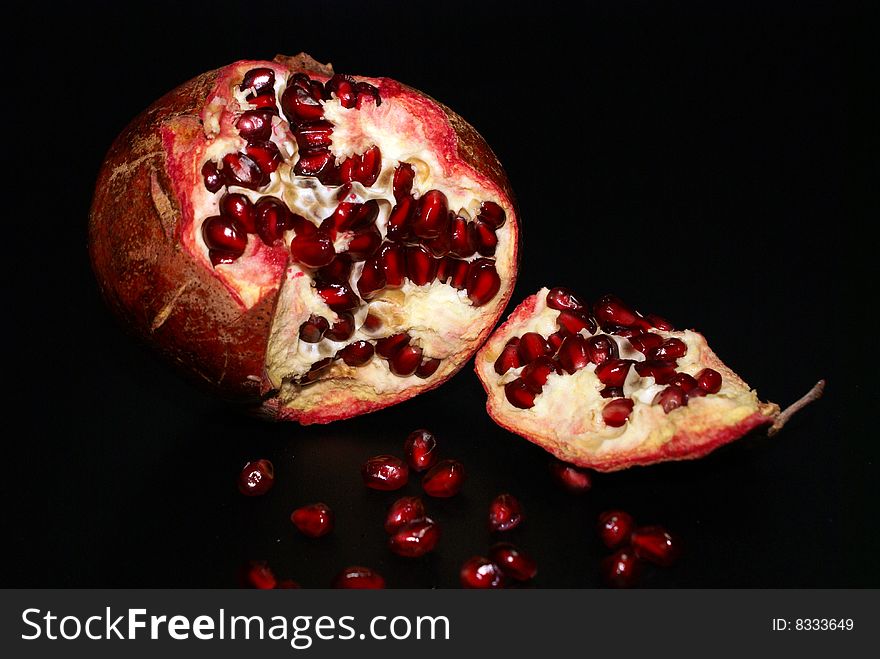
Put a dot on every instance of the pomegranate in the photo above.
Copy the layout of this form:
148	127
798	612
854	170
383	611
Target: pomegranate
256	478
313	520
267	225
505	513
628	388
357	577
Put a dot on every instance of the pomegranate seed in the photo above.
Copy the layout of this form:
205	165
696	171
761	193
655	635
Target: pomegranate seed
575	321
314	135
372	279
438	246
315	371
364	244
684	381
661	370
219	257
404	175
405	362
612	392
255	125
519	394
421	267
357	353
621	569
611	310
505	513
531	346
338	297
660	323
670	349
418	449
240	169
461	273
697	392
431	215
613	372
299	106
266	155
393	261
572	479
391	345
399	220
273	218
337	271
415	539
492	214
461	241
372	323
258	574
266	103
224	234
365	93
427	368
343	87
368	166
709	380
563	299
313	251
484	238
261	80
480	572
301	81
556	340
670	398
625	332
615	527
483	282
385	472
646	342
240	208
256	478
573	354
313	520
535	374
444	479
402	512
508	359
313	329
317	162
655	545
342	329
212	176
601	349
317	91
359	578
288	584
514	562
617	411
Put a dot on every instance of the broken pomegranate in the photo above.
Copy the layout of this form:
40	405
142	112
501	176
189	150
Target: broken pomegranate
316	244
620	389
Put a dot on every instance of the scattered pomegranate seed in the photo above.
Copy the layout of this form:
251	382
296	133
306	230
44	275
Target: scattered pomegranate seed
415	539
480	572
514	562
572	479
505	513
385	472
656	545
621	569
617	411
419	449
313	520
256	478
709	380
258	574
444	479
615	527
402	512
357	577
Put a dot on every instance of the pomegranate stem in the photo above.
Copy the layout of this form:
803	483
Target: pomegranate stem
812	395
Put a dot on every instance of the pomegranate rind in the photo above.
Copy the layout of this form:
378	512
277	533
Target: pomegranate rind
167	294
686	433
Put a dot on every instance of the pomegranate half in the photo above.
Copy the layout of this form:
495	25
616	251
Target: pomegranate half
605	387
317	244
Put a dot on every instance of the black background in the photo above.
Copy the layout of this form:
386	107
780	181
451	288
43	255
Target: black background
701	163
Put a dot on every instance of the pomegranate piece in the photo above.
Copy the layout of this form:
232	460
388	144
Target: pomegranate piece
256	478
621	569
617	411
224	234
572	479
404	511
615	527
444	479
709	380
415	539
357	577
505	513
480	572
258	574
655	545
385	472
357	353
313	520
419	449
513	562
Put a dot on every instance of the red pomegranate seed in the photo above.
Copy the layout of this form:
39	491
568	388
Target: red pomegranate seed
508	359
338	297
359	578
601	349
670	349
421	267
368	166
505	513
393	260
484	238
342	329
659	322
419	449
402	512
313	520
405	362
255	125
709	380
212	176
519	394
670	398
438	246
415	539
301	81
613	372
261	80
266	103
314	162
615	527
535	375
575	321
431	216
661	370
364	244
531	346
404	175
556	340
390	345
625	332
461	242
617	411
621	569
337	271
611	310
372	279
219	257
313	329
372	323
258	574
240	208
444	479
492	214
645	342
427	368
697	392
573	354
461	272
314	135
288	584
242	170
655	545
572	479
366	93
480	572
483	282
224	234
684	381
563	299
514	562
343	87
299	106
312	250
273	218
611	392
385	472
266	155
357	353
256	478
400	219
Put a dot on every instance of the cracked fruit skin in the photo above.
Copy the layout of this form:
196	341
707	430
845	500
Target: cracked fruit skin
266	225
613	403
